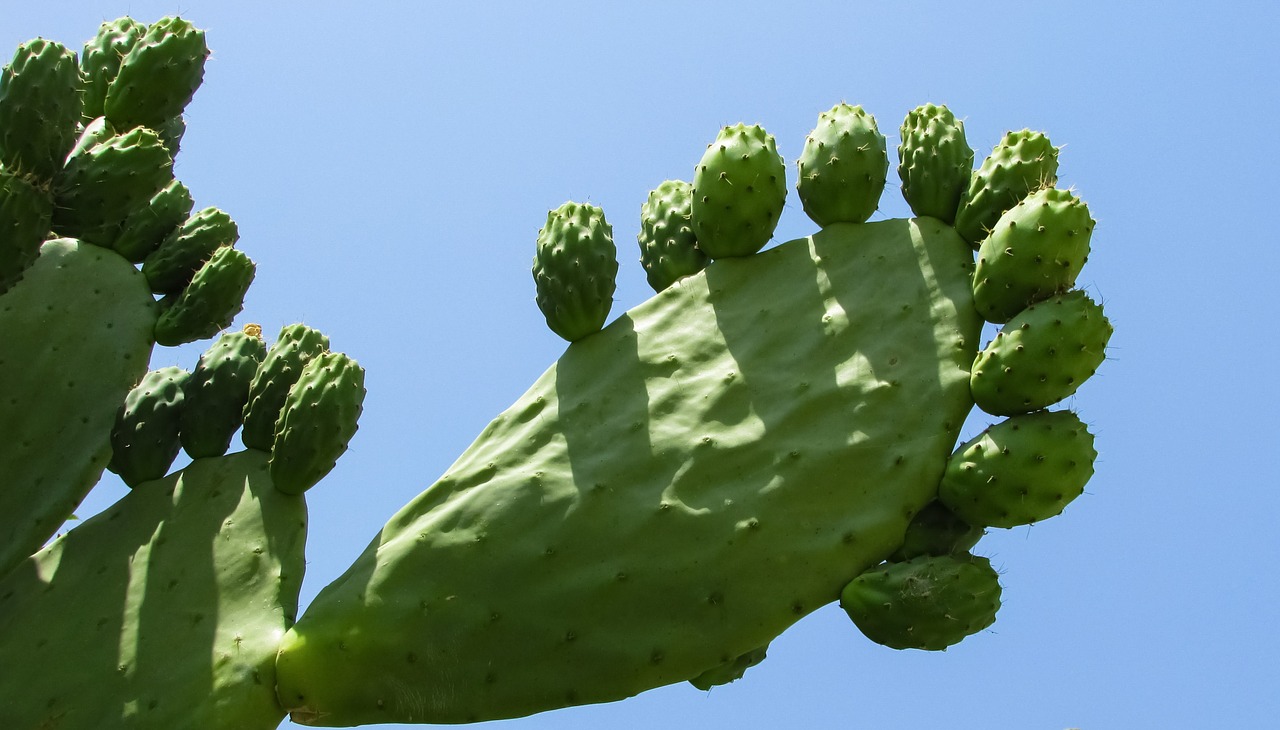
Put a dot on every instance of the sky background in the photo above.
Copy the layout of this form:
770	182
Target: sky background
389	165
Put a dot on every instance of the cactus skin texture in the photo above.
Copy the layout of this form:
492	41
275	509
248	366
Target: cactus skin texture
209	303
1041	356
575	270
101	57
217	392
25	212
179	593
739	189
843	167
934	531
294	347
929	602
668	249
935	161
159	76
100	187
317	422
1020	164
39	109
172	265
1036	250
144	440
1023	470
722	419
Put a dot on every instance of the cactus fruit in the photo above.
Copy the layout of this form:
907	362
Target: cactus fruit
1022	470
317	422
159	76
170	267
575	270
101	186
209	303
39	109
668	249
1036	250
144	439
935	161
935	530
843	167
294	347
95	132
1041	356
101	57
1020	164
739	188
217	391
730	671
25	212
929	602
147	226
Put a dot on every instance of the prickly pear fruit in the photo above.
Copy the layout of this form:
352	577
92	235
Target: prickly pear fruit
575	270
147	226
1023	470
1041	356
294	347
25	212
101	57
317	422
843	167
217	392
144	440
170	267
935	161
1036	250
929	602
39	109
935	530
730	671
159	76
101	186
668	248
208	304
1020	164
739	189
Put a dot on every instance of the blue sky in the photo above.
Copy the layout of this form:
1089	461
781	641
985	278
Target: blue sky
389	167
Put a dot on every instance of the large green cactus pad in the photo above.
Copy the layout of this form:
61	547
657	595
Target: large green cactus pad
163	612
673	493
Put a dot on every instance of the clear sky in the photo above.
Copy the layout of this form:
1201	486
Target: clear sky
389	165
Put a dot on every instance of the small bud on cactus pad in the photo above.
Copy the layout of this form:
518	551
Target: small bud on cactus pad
739	189
319	417
295	346
217	392
935	161
159	76
103	185
101	57
25	211
170	267
668	248
1021	163
39	109
843	167
144	440
147	227
210	302
935	530
575	270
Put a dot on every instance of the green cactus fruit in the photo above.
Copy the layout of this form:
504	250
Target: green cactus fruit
39	109
1022	470
217	392
25	212
103	185
674	492
164	611
159	76
935	161
210	302
843	167
317	422
739	189
936	530
170	267
575	270
95	132
668	249
730	671
148	225
101	57
929	602
1041	356
1036	250
1020	164
295	346
78	305
144	439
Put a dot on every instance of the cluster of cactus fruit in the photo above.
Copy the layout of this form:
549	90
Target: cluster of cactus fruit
772	432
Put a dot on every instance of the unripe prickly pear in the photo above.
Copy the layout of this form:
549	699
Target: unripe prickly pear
739	189
668	248
101	57
1021	163
216	393
317	422
95	132
1036	250
731	671
925	603
144	440
935	161
39	109
575	270
294	347
935	530
159	76
1023	470
1041	356
843	167
147	226
101	186
213	298
170	267
25	211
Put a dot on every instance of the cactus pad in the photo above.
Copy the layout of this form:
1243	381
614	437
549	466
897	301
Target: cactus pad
294	347
159	76
739	189
317	422
843	167
575	270
147	226
935	161
170	267
101	57
101	186
209	303
39	109
1021	163
936	530
217	391
25	212
144	439
668	249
